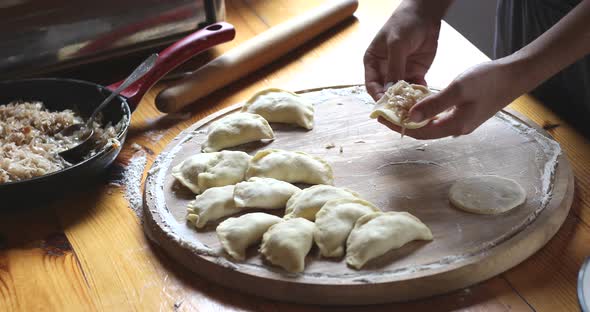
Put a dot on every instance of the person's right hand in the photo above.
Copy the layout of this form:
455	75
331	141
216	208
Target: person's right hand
471	99
404	48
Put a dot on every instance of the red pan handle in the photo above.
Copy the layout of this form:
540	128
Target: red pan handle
175	55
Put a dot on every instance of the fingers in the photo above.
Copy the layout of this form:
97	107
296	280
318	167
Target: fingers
375	90
425	133
449	124
375	72
385	62
418	80
373	77
389	125
453	123
396	65
436	103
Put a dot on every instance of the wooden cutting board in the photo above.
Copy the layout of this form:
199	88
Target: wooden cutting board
395	174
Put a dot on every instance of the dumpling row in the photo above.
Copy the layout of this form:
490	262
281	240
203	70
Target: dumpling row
285	243
366	232
285	246
206	170
251	123
217	177
334	222
256	193
336	212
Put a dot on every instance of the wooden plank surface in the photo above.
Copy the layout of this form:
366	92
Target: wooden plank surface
387	171
88	252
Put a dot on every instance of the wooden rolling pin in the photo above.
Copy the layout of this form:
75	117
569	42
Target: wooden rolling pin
253	54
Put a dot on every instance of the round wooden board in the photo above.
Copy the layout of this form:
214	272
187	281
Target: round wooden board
395	174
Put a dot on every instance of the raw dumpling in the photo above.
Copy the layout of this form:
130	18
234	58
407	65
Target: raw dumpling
487	194
397	101
264	193
236	234
376	233
236	129
335	221
202	171
292	167
305	204
287	243
215	203
282	106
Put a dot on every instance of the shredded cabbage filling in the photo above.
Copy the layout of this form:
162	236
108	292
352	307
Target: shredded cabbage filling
30	140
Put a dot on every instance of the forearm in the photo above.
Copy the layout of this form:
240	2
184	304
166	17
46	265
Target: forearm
563	44
433	10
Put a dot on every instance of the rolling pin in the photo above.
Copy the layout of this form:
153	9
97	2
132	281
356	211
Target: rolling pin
253	54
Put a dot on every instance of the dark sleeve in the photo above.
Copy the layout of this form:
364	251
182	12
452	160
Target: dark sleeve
518	22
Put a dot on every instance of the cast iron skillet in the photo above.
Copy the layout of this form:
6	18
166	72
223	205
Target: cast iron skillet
82	97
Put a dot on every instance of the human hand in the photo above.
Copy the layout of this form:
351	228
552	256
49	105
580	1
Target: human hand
471	99
405	46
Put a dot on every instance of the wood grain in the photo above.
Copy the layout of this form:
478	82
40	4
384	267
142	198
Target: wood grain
36	258
542	283
393	173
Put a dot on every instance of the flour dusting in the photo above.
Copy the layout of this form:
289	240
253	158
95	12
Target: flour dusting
329	94
169	226
550	148
131	180
155	135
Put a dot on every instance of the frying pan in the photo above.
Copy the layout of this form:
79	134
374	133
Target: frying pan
82	96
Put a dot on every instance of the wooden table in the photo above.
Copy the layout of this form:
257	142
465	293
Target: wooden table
88	252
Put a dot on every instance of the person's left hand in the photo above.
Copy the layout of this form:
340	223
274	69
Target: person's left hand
471	99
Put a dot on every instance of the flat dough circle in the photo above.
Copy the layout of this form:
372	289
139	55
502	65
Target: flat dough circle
487	194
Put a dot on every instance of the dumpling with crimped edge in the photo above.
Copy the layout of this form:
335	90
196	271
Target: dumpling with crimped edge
395	104
289	166
206	170
376	233
305	204
263	193
213	204
335	220
287	243
277	105
236	129
237	234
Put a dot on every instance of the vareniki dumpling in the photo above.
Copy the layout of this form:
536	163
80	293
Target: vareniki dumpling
236	234
215	203
202	171
292	167
287	243
335	221
376	233
281	106
305	204
236	129
397	101
263	193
